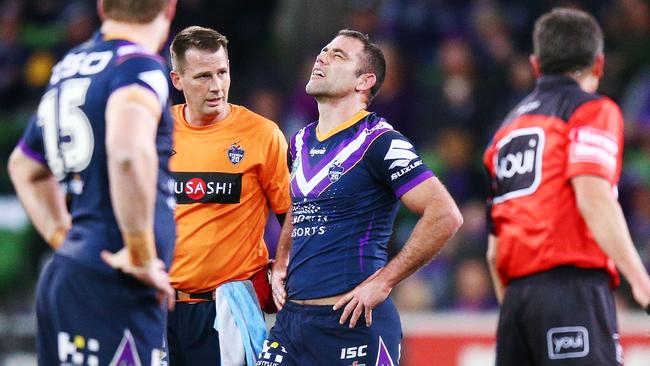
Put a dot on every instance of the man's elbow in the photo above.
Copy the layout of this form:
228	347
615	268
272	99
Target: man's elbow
17	169
13	166
455	219
452	219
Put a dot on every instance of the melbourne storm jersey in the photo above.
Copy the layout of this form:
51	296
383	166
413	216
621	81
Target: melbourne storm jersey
345	190
68	133
556	133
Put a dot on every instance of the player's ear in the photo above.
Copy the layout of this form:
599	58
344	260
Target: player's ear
598	69
100	9
176	80
366	81
534	62
170	12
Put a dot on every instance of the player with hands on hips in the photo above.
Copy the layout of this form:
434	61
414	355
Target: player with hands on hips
349	172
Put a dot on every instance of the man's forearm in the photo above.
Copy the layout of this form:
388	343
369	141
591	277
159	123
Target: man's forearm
604	217
41	196
284	242
606	222
133	186
499	289
131	126
434	228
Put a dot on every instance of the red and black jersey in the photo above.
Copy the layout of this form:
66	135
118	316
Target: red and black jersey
556	133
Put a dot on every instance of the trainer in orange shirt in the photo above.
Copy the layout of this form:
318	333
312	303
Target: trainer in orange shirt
230	167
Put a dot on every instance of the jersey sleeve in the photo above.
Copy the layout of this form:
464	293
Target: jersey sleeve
393	159
143	70
596	140
31	143
488	164
274	177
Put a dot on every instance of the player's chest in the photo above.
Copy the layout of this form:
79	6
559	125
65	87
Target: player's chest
214	154
329	169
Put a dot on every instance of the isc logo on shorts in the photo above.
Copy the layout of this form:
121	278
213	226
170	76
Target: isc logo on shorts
567	342
518	163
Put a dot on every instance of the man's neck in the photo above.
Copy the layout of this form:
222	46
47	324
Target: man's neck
332	113
136	33
197	119
586	80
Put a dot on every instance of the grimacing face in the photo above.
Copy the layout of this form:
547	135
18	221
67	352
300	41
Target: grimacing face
335	71
205	82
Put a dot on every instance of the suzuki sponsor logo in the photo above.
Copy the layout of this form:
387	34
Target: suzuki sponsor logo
518	163
403	171
567	342
207	187
400	152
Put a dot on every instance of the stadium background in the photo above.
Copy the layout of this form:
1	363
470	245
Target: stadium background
454	69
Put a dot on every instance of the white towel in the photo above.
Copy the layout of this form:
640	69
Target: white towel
240	323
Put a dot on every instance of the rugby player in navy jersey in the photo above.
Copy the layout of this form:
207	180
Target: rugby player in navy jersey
100	142
350	170
558	233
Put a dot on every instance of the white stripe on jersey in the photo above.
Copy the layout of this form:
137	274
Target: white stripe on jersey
156	81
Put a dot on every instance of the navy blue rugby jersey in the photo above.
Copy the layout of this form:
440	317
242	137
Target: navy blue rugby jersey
345	191
68	134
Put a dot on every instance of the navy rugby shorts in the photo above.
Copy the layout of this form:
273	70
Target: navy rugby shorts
95	319
312	335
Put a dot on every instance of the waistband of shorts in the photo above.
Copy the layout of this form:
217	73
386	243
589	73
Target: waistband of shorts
65	260
323	309
564	273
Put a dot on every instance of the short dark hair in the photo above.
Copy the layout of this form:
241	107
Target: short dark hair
201	38
566	40
133	11
373	61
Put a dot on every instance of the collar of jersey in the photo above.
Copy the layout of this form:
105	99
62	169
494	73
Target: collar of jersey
354	119
208	128
117	36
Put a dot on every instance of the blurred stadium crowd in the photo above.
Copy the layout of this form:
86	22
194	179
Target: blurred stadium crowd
455	68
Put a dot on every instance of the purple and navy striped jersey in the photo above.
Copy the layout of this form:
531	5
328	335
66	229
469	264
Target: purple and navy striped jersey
68	134
345	191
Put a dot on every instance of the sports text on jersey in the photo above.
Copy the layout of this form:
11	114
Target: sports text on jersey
207	187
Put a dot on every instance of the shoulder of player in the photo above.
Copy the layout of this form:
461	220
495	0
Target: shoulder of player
246	116
176	112
128	52
386	136
598	105
301	132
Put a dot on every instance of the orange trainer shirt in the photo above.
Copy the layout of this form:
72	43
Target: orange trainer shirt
227	176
